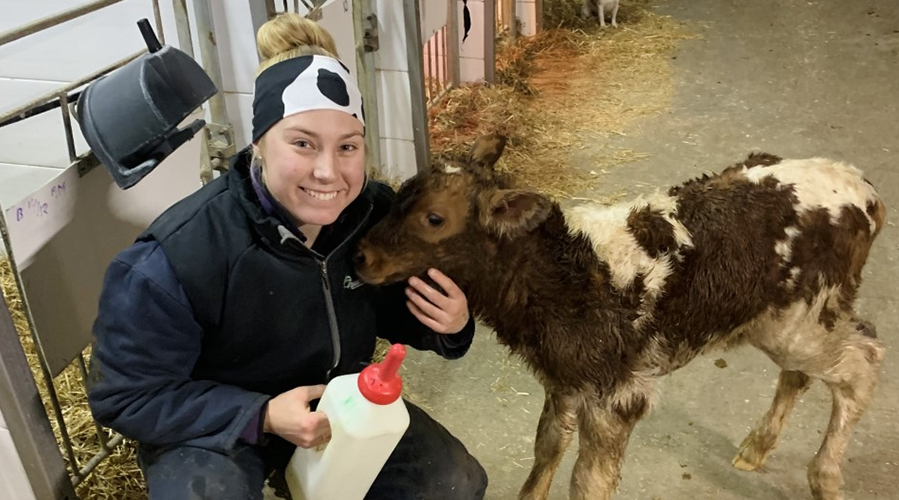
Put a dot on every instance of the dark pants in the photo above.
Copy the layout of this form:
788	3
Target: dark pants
427	464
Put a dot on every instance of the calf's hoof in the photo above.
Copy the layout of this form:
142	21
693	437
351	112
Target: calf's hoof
752	455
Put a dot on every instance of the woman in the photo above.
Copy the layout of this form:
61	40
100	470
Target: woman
218	328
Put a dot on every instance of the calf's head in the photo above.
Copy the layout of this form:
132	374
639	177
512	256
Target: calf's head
452	218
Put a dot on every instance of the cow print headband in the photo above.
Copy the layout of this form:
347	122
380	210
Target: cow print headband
300	84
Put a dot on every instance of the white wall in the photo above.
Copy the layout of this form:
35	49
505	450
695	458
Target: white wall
13	480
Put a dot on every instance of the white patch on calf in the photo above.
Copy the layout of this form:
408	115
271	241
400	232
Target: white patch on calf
821	183
606	227
449	169
784	247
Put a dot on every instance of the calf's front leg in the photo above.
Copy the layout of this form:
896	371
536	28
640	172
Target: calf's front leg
557	422
604	430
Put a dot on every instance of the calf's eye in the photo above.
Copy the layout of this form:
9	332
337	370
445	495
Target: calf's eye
435	220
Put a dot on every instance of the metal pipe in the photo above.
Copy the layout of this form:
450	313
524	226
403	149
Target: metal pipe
490	41
210	58
182	25
40	109
412	21
101	436
444	62
157	16
67	125
96	459
368	86
50	21
452	55
513	19
74	85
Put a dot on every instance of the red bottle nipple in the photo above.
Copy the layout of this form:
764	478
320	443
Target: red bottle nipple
381	383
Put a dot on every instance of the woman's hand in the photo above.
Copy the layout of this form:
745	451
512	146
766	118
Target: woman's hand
288	415
443	313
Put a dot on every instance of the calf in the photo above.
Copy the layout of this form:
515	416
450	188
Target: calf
600	8
603	301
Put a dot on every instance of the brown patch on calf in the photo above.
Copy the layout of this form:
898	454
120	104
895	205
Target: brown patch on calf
652	231
729	174
831	254
878	213
733	272
760	159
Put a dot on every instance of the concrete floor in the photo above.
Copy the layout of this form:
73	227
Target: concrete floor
796	78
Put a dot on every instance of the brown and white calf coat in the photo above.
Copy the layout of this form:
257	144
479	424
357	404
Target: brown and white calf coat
602	301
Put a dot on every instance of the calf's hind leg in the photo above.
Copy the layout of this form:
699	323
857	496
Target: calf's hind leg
851	372
847	358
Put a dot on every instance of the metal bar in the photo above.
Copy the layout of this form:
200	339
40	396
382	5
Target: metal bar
50	21
513	19
452	56
67	125
538	25
411	13
435	63
96	459
443	60
23	412
260	12
210	58
40	109
270	10
368	86
182	25
101	436
67	88
157	16
490	41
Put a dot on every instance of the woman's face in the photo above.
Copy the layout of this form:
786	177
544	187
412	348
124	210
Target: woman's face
313	163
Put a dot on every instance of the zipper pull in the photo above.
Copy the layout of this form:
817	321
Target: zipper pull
325	276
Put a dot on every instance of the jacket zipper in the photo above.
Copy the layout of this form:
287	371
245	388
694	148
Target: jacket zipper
332	319
329	300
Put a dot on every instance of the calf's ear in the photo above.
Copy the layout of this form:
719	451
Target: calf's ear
486	150
512	212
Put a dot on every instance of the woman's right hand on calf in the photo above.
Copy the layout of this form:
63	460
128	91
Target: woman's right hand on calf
288	415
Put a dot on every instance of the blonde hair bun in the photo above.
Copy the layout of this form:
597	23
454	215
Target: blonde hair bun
291	35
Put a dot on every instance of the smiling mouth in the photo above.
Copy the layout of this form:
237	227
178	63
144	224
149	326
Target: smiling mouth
320	195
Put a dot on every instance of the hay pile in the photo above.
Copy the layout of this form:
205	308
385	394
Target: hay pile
117	477
562	93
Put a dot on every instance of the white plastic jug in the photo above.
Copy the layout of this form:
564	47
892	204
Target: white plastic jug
368	418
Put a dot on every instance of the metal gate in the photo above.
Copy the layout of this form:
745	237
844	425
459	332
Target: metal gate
33	436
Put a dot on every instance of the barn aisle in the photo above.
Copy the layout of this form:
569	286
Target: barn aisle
796	78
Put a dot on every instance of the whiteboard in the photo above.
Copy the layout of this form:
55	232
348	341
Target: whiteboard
65	234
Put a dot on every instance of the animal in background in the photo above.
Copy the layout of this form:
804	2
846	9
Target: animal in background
600	8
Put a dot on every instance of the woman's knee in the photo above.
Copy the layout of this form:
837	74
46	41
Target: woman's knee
467	481
187	473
